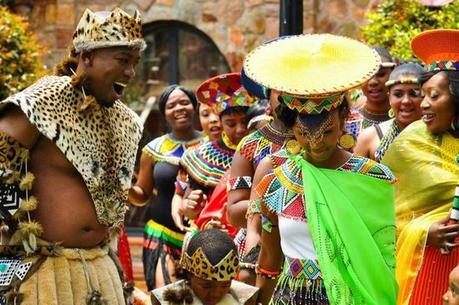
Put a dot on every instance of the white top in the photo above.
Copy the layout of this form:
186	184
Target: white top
296	240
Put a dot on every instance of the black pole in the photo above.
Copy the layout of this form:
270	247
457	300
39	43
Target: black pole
291	17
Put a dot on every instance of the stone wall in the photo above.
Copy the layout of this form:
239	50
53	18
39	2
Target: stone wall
236	26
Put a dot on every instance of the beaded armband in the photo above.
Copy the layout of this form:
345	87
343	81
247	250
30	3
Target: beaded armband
253	208
180	187
241	182
270	275
267	224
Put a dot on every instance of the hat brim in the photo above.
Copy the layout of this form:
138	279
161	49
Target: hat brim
436	45
312	65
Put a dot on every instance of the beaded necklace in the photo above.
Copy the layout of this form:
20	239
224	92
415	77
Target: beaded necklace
370	119
274	135
226	140
387	140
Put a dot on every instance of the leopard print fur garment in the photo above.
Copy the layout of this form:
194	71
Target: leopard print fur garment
100	143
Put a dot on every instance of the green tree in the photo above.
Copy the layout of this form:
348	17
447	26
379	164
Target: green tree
20	54
396	22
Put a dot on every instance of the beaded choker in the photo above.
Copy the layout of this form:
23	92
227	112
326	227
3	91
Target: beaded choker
226	140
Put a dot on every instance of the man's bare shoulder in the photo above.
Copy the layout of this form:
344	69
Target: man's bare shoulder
15	123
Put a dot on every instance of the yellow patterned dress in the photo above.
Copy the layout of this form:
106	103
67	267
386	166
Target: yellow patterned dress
427	173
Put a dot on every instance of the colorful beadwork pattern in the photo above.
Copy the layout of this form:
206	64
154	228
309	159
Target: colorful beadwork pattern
301	268
241	182
263	142
387	140
313	105
168	149
443	66
207	163
281	191
224	91
403	80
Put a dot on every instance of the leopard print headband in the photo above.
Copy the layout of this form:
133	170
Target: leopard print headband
199	266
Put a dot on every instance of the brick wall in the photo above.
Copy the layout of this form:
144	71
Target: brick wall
236	26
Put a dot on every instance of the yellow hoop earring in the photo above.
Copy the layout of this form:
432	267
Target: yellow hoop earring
346	141
293	147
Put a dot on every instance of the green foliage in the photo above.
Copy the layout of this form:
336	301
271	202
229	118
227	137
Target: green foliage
20	54
396	22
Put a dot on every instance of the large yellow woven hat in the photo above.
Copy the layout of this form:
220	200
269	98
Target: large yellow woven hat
312	67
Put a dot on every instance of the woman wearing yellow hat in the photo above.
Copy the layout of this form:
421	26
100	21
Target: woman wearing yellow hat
318	201
423	158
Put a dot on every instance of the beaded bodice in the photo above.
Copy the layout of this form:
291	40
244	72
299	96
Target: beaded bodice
265	141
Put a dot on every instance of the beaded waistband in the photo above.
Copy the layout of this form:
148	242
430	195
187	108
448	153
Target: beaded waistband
301	268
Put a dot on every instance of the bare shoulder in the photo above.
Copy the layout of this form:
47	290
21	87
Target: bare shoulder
364	141
264	167
15	123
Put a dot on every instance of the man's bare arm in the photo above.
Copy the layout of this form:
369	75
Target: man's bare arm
15	123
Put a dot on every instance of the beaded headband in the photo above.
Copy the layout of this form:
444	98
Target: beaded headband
388	64
403	80
199	266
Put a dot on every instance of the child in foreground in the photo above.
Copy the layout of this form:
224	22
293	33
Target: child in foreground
210	263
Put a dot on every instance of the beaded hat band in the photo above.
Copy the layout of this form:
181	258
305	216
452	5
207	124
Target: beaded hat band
198	265
312	105
446	65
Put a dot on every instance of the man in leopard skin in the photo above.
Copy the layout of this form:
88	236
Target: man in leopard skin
67	153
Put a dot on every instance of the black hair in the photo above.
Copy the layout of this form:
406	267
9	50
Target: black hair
383	52
256	110
214	243
288	116
167	92
237	109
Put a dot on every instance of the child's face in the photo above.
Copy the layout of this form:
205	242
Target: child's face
451	297
209	292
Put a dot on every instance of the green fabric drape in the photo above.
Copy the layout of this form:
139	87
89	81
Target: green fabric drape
352	220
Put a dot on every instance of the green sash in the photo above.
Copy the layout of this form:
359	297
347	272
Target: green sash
352	221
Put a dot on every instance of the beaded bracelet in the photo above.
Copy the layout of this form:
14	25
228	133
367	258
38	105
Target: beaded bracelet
250	266
271	275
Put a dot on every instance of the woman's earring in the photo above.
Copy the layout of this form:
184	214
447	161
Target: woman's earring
391	113
293	147
346	141
455	123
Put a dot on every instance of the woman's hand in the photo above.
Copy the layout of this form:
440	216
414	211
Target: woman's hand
194	204
443	236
